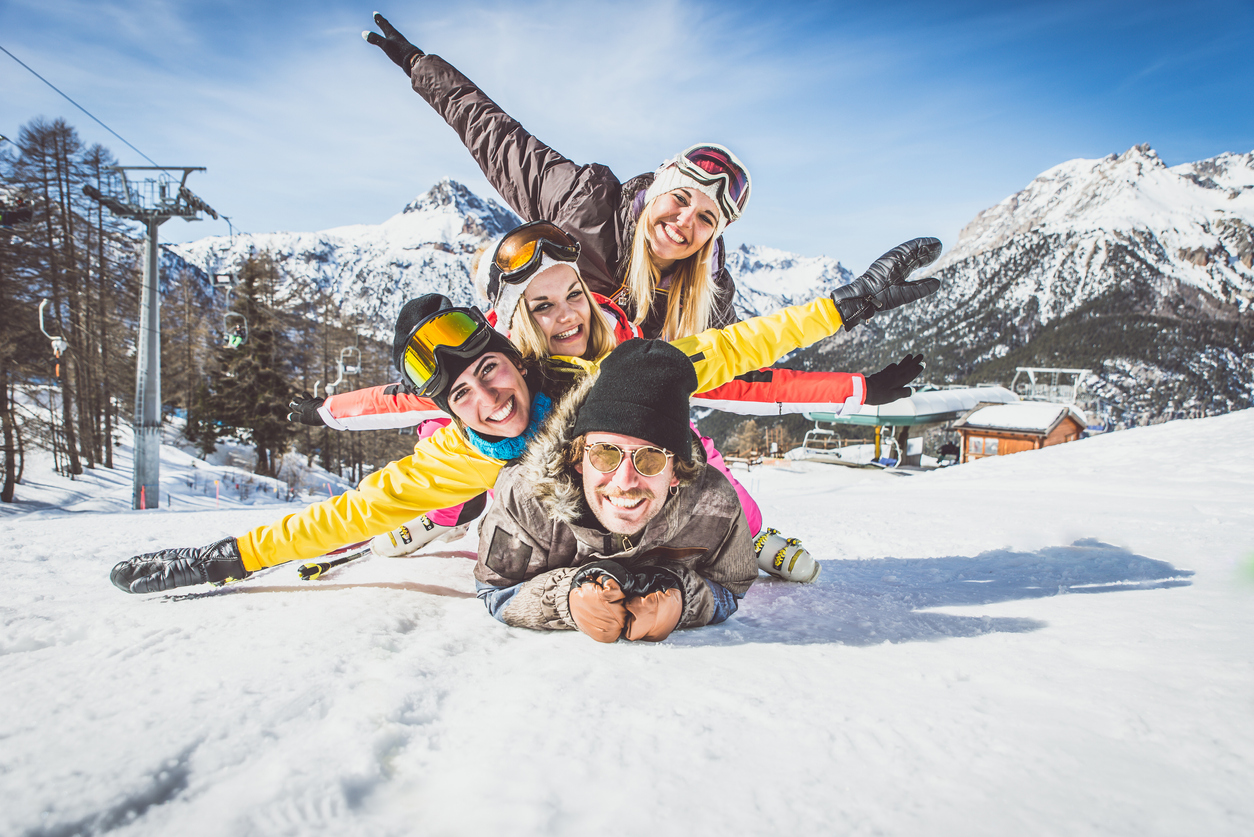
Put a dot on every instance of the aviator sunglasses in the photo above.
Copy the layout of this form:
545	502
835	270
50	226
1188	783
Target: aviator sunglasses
646	459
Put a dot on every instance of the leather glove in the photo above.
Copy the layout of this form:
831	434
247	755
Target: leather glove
889	383
304	409
154	572
596	600
884	286
393	44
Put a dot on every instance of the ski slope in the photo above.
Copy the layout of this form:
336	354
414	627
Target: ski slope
1058	642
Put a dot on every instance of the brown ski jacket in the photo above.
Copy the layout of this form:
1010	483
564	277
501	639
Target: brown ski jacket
587	201
539	531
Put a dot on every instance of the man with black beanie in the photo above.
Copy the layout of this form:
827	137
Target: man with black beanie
612	524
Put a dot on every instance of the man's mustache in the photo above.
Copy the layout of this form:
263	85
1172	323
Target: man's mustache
640	493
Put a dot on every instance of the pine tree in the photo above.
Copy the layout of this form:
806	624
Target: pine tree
249	383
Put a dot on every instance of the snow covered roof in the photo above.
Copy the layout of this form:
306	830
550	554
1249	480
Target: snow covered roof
1025	416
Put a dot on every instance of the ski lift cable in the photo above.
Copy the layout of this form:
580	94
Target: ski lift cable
230	226
77	105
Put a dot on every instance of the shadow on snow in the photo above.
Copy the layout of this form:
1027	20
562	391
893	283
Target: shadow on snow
885	600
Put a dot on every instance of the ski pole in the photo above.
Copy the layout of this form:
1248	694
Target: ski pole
309	572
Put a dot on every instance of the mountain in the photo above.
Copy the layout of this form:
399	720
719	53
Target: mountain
371	270
768	279
1140	272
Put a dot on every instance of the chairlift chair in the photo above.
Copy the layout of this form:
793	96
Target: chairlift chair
350	360
234	324
59	344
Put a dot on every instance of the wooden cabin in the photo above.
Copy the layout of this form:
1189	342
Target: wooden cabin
999	429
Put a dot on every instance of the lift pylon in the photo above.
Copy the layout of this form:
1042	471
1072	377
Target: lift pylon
151	201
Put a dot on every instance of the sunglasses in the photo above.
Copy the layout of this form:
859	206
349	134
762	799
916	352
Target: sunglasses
519	254
462	331
714	164
646	459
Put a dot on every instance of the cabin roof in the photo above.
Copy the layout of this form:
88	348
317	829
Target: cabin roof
1022	417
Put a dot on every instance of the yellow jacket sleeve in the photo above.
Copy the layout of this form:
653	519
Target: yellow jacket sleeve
720	354
443	471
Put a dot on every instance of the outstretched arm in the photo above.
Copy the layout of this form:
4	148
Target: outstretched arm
536	181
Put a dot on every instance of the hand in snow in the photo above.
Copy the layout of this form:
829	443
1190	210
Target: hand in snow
884	286
654	605
608	601
889	383
596	600
304	409
170	568
393	44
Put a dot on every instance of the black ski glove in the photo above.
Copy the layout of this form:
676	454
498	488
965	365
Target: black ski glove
393	44
170	568
304	409
889	384
884	286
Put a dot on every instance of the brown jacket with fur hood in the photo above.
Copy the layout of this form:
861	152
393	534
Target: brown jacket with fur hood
539	531
588	201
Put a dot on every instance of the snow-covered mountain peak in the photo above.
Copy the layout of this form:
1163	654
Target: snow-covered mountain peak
768	279
1191	209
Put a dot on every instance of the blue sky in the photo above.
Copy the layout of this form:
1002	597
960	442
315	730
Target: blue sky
863	124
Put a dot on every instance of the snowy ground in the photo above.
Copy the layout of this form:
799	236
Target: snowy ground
1058	642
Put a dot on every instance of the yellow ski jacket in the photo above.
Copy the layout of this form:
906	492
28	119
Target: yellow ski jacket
445	470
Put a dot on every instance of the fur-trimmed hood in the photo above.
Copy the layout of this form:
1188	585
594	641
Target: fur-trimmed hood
558	487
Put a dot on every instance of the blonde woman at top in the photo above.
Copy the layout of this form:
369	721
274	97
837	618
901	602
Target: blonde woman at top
653	244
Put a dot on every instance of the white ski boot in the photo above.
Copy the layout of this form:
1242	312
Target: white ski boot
784	557
413	536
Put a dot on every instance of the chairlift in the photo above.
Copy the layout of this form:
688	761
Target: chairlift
234	324
59	344
350	360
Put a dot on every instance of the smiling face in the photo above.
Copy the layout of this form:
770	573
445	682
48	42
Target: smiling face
491	397
560	309
679	223
623	500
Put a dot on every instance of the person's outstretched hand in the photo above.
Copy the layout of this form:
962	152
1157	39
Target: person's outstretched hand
884	286
303	408
889	384
155	572
393	44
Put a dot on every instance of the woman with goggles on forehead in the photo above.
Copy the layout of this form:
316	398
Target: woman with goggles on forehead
652	244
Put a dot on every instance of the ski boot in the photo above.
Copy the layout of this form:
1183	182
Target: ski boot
785	557
413	536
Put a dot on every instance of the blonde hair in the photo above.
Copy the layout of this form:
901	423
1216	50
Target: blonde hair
530	340
690	301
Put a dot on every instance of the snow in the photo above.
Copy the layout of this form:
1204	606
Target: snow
1023	415
1054	642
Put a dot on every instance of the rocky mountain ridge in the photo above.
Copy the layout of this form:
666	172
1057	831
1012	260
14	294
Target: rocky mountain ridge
1140	272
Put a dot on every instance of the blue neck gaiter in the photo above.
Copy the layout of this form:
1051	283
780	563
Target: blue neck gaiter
509	449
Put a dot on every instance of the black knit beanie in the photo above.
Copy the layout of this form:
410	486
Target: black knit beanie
642	391
414	312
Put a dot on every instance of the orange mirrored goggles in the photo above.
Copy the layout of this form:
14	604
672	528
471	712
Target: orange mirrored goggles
518	255
460	331
647	460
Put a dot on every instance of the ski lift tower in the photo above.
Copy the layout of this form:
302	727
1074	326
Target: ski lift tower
152	201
